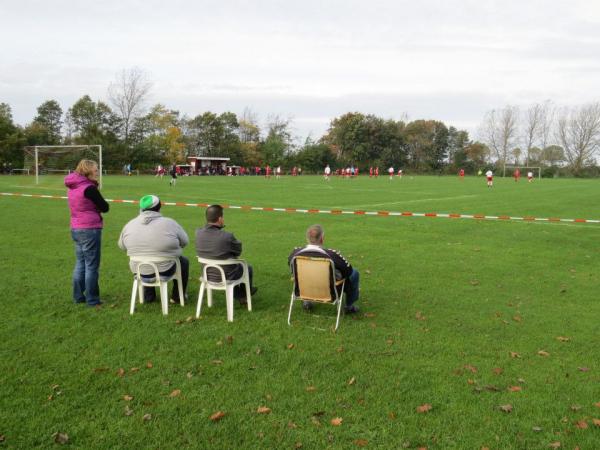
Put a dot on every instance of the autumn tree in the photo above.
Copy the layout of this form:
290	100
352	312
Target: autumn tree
499	131
427	143
578	132
128	93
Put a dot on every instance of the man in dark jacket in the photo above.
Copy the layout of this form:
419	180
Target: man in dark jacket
315	235
212	242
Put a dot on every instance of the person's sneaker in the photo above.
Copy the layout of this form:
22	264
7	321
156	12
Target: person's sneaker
307	306
253	290
352	309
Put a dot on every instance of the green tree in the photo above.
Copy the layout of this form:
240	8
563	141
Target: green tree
427	142
49	118
12	139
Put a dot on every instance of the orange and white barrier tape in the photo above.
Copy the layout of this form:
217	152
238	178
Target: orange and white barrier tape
339	211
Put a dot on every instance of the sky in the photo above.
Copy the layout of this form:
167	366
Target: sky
309	61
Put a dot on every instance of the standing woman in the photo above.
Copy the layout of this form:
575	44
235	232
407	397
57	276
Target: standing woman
86	203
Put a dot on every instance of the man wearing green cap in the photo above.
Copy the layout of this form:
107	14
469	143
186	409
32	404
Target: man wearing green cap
151	234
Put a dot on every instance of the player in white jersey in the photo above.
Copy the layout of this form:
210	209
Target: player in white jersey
327	172
391	172
490	178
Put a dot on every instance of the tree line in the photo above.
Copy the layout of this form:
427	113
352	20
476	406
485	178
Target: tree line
557	139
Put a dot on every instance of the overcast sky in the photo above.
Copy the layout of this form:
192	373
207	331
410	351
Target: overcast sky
309	60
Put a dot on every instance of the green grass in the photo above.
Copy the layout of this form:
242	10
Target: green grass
440	298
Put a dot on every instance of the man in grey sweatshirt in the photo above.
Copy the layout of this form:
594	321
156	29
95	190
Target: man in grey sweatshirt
151	234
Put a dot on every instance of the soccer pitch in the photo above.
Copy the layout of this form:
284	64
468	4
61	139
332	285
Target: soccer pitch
494	323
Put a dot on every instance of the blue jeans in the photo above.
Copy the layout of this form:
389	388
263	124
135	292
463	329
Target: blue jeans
351	287
87	263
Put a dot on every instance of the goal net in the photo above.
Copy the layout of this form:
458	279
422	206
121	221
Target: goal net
524	170
60	159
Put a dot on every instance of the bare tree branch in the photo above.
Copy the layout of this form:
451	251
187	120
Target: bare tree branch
127	94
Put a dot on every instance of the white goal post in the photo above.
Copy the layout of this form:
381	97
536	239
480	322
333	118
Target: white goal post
524	170
66	149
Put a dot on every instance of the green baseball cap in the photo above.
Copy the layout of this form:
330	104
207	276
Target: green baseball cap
148	202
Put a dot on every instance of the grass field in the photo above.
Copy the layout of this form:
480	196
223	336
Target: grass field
463	315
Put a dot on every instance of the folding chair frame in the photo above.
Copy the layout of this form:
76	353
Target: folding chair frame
338	300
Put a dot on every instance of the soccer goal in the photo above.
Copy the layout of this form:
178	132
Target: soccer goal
510	170
60	159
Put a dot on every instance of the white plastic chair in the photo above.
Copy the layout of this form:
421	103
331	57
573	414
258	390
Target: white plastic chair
161	281
314	279
223	285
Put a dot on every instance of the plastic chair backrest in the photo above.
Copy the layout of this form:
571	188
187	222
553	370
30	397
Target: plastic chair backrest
315	278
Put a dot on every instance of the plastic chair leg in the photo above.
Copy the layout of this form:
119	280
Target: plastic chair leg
229	301
180	287
141	292
164	297
200	298
209	296
248	294
133	295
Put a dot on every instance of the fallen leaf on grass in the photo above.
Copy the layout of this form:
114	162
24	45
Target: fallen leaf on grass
127	397
470	381
515	388
101	369
389	341
336	422
128	411
339	349
554	444
424	408
298	445
351	381
517	318
420	316
575	407
492	388
392	415
135	369
474	282
149	365
537	429
361	442
473	369
543	353
60	438
369	315
497	370
582	425
583	369
291	425
597	405
215	417
263	410
189	319
216	362
315	421
310	389
258	351
514	355
563	339
506	408
147	417
189	375
2	438
175	393
290	346
596	422
121	372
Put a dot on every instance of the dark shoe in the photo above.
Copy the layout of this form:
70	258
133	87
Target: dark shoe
352	309
79	301
307	306
253	290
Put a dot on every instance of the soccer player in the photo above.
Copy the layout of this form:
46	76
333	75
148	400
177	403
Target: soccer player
278	172
529	177
490	178
461	174
377	172
400	173
391	172
327	172
371	172
268	171
517	175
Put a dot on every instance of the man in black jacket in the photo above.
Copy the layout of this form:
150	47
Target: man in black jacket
315	235
213	242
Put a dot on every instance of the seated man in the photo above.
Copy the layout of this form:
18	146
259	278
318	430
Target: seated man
214	243
343	270
151	234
